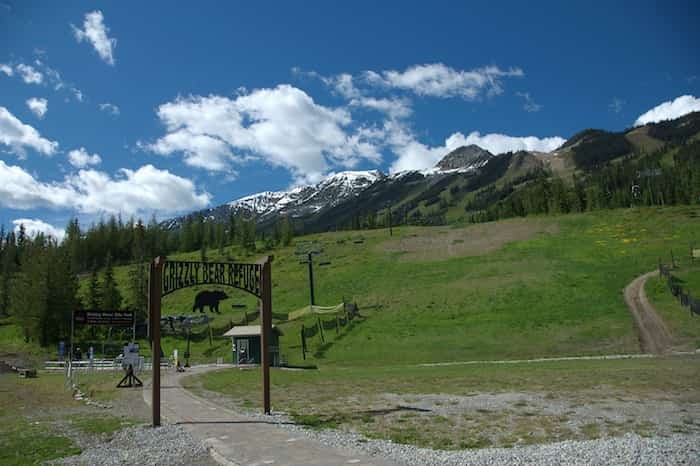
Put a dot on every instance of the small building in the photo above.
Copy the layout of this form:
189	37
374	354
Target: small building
246	344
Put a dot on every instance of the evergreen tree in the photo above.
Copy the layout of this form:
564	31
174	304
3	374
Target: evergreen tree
28	291
232	229
111	297
93	299
61	300
138	281
286	232
72	242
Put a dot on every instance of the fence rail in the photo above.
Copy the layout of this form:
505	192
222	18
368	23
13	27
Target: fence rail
684	297
346	313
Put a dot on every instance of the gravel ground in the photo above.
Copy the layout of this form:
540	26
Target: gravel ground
628	449
166	445
173	445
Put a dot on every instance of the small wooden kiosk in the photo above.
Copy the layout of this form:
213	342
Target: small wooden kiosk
246	344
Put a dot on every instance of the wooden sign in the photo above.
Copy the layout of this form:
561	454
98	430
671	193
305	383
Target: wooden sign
182	274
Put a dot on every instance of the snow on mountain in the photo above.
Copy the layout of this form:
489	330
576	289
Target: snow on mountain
304	200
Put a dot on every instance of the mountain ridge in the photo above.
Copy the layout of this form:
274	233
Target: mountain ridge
340	197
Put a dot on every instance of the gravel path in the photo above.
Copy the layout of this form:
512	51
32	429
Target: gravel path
167	445
654	336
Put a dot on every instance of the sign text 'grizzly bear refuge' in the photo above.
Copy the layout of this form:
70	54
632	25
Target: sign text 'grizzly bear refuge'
181	274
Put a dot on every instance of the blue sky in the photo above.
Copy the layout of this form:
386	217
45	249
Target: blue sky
167	107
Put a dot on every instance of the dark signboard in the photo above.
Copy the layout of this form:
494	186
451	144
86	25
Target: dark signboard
111	318
180	274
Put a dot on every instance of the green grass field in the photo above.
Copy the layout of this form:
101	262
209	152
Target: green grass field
542	286
548	294
39	420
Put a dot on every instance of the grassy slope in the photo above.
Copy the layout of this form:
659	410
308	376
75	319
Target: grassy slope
554	294
557	294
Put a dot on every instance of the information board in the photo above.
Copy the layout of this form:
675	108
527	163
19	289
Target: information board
111	318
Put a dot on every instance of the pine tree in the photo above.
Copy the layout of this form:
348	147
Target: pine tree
72	242
28	290
111	297
93	300
232	229
61	296
138	281
286	232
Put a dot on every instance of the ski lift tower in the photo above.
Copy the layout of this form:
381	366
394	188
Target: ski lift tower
309	249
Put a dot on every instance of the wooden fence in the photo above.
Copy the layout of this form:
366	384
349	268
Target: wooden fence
684	297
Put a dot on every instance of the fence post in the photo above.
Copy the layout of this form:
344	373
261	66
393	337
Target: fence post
320	329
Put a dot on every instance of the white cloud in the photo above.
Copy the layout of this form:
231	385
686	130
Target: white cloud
38	106
18	136
35	226
40	73
344	85
54	77
95	32
200	150
89	191
282	126
109	108
529	105
341	84
81	158
439	80
78	94
394	108
147	188
670	110
29	74
501	143
616	105
413	155
20	190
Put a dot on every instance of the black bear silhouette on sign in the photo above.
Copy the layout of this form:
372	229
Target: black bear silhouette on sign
208	298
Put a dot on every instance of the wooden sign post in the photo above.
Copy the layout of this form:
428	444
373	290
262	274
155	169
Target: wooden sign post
169	276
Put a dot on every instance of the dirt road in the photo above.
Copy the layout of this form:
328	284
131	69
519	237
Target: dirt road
654	336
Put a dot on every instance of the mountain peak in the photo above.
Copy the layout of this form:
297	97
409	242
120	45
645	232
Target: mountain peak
471	156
